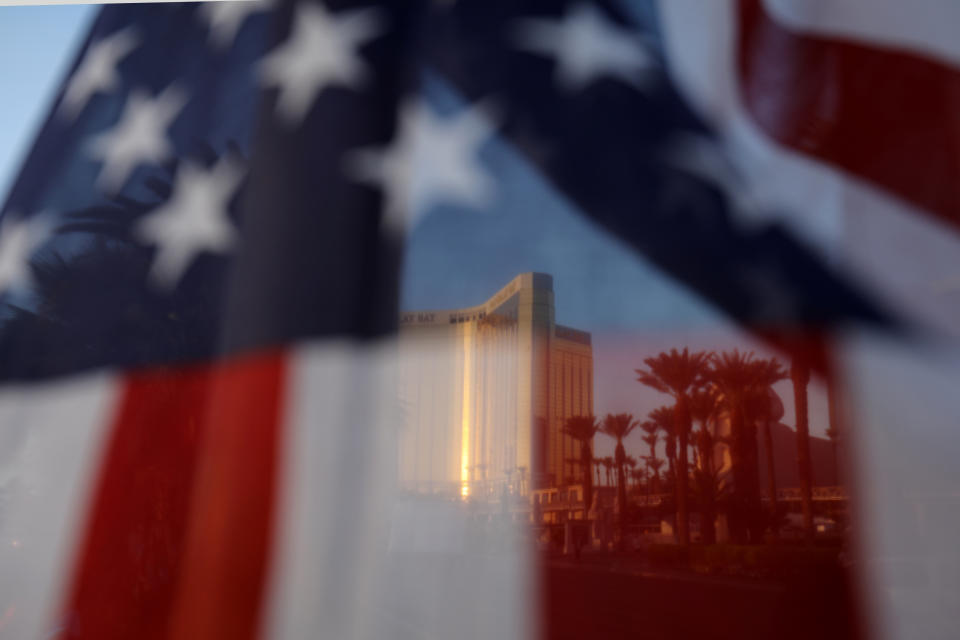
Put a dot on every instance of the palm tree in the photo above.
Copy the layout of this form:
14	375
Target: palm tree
631	463
704	406
651	430
582	429
597	463
766	408
800	376
619	427
833	431
653	466
662	417
678	374
739	377
87	250
608	464
834	436
574	462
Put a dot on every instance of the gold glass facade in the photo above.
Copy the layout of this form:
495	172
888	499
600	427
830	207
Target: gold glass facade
485	390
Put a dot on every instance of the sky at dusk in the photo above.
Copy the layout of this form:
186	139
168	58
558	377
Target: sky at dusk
37	44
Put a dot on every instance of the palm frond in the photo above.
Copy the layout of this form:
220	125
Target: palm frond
676	372
581	428
618	426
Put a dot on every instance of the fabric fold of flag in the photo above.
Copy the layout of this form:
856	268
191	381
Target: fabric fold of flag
207	393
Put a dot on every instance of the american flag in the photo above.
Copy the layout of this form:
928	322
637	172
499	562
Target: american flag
200	267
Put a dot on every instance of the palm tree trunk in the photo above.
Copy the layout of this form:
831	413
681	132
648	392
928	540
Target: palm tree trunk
741	473
655	479
620	457
834	430
800	375
708	507
586	459
771	477
708	498
682	421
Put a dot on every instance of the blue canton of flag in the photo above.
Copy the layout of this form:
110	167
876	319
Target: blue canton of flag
191	172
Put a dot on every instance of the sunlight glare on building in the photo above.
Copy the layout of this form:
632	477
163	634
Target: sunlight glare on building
486	391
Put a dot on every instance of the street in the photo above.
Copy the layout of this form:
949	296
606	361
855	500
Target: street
599	597
589	601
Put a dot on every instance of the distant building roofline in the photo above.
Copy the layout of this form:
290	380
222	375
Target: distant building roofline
528	280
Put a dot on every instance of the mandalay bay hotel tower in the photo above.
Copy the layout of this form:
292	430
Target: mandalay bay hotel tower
485	392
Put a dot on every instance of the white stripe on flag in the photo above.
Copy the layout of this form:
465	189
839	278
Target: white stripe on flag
903	406
51	438
927	27
335	572
337	474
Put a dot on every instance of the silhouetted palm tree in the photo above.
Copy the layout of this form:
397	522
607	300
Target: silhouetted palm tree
631	464
833	430
739	377
678	374
651	437
766	408
619	427
574	462
582	429
800	376
662	417
834	434
608	465
655	464
704	406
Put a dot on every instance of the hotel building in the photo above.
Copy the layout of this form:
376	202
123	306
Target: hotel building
485	391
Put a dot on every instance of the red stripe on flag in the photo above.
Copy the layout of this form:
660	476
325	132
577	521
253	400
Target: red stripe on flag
179	529
232	512
888	116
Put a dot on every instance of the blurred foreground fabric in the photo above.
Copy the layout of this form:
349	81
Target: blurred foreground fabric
202	258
